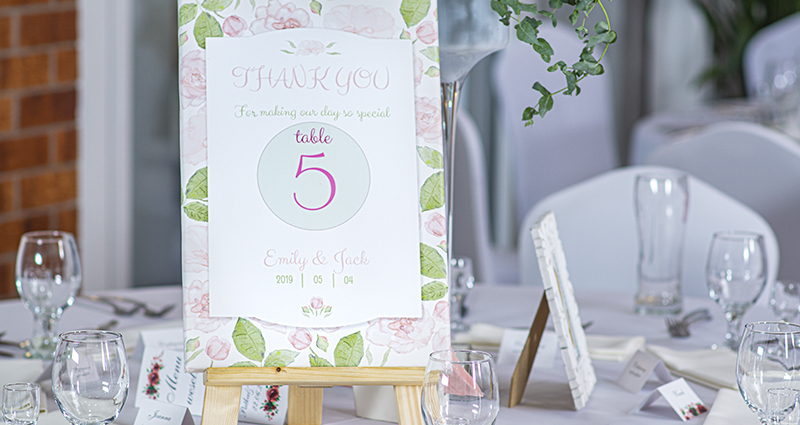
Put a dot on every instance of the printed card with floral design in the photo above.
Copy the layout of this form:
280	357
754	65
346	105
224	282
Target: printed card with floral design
311	136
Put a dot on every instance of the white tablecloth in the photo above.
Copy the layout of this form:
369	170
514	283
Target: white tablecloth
547	398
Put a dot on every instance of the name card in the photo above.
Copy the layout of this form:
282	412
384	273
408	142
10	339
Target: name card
158	413
680	396
514	341
639	369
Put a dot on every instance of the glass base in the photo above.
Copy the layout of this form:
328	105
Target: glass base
651	306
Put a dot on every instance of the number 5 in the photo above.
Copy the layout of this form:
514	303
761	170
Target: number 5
332	182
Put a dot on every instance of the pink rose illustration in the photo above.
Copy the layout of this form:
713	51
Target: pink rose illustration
426	32
217	349
269	326
277	16
195	251
417	70
193	79
300	338
436	225
195	311
195	138
234	26
441	340
401	335
429	119
316	303
310	47
442	311
373	22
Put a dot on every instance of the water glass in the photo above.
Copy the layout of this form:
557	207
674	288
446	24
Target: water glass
462	281
661	201
48	276
785	299
736	273
90	376
21	402
460	388
767	369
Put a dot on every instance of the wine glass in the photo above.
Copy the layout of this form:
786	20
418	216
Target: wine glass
785	299
768	360
469	30
736	273
460	388
48	276
90	376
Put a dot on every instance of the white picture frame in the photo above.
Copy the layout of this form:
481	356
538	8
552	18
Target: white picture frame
563	308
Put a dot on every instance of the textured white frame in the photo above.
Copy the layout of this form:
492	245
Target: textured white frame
563	308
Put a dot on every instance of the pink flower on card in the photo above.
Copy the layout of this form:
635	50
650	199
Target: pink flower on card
429	119
417	70
268	326
195	309
300	338
195	138
436	225
193	79
217	349
277	16
441	339
372	22
426	32
234	26
310	47
441	311
316	303
195	249
401	335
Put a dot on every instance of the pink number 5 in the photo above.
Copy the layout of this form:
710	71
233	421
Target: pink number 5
300	170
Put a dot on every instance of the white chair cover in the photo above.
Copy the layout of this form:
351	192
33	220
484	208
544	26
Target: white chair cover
597	226
775	42
756	165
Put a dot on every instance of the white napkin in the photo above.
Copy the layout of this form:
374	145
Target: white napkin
713	368
53	418
613	348
730	409
480	334
19	370
131	335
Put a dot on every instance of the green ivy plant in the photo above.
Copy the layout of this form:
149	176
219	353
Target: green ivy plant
527	30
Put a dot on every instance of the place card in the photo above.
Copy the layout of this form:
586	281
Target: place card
639	369
159	413
680	396
514	341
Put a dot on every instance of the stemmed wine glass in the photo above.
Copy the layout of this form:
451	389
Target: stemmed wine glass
48	276
90	376
469	30
460	388
737	273
767	369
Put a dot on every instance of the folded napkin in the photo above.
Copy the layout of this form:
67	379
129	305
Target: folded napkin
53	418
730	409
713	368
19	370
613	348
480	334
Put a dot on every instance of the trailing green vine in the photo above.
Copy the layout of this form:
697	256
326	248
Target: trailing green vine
527	30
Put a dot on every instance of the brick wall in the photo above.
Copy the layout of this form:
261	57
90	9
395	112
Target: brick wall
37	123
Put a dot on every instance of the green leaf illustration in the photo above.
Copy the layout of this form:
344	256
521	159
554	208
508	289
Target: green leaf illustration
405	35
431	262
244	364
432	192
197	187
369	356
431	157
322	343
385	357
431	53
414	11
186	13
206	26
183	38
280	358
316	361
248	340
432	71
315	6
442	246
433	291
349	351
216	5
237	4
192	357
253	3
197	211
192	344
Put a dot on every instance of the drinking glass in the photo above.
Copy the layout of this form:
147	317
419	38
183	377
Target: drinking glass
21	402
469	30
785	299
768	359
460	388
736	273
48	276
90	376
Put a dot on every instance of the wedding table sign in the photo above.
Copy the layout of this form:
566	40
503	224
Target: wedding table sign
313	192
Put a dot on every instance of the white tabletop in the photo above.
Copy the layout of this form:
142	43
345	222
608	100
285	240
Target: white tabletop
547	398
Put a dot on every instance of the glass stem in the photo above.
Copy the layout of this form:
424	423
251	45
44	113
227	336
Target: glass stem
43	338
734	319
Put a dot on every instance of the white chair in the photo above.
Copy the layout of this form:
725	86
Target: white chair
572	143
597	225
756	165
773	43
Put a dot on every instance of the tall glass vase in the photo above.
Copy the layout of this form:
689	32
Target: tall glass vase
469	30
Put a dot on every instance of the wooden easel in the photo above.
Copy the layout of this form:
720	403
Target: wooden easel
224	390
523	369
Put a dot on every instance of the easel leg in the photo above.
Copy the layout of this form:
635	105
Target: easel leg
408	404
305	406
221	405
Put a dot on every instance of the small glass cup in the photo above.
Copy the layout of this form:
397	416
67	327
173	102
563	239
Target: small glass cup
785	299
21	402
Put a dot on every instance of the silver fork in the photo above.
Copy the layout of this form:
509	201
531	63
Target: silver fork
118	310
679	328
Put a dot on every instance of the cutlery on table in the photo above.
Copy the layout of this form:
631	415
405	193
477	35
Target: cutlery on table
679	328
118	310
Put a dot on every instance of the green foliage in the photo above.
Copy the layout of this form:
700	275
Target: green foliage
527	30
433	291
349	351
248	340
431	262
